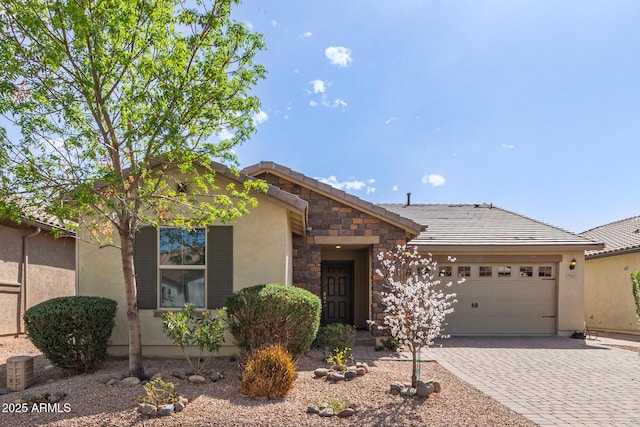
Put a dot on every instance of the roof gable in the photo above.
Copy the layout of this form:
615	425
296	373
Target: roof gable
411	227
482	225
618	237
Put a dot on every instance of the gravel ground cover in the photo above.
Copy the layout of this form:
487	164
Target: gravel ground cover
90	402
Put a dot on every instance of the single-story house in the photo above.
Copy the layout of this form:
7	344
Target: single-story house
523	277
608	301
34	266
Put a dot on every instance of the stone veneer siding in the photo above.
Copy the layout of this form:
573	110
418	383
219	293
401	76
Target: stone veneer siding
328	217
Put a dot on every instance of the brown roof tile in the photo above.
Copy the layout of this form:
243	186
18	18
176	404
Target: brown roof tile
618	237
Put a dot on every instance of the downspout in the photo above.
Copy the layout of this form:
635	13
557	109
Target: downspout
22	295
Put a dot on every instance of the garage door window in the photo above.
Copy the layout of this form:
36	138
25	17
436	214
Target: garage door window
485	271
545	271
464	271
526	271
445	271
504	271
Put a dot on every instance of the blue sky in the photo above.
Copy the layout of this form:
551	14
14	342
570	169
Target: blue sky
533	106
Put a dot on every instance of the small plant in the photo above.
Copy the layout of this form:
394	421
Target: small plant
333	404
389	343
635	290
159	393
186	328
339	358
269	372
335	335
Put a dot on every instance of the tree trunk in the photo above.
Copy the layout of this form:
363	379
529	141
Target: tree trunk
414	375
135	342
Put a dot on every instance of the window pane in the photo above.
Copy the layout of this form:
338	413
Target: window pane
485	271
464	271
445	271
526	271
182	247
504	271
544	271
182	286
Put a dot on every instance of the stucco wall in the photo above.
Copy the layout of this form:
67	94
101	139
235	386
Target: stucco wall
609	304
50	274
261	254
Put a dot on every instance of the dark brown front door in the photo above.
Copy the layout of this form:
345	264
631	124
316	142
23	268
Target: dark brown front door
337	292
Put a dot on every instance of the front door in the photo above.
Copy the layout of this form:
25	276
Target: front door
337	292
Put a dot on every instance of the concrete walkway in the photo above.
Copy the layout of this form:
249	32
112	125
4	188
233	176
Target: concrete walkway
552	380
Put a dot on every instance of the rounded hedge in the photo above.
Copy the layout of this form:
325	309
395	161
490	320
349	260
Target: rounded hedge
266	315
72	332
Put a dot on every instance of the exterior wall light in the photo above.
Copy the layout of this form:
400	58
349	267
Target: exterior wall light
572	264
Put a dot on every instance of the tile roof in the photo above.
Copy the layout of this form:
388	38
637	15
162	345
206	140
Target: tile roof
618	237
475	225
409	225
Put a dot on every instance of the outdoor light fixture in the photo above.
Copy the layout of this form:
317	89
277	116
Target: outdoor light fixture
573	264
338	246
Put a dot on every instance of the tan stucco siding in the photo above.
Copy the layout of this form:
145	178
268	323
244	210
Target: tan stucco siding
50	273
261	254
609	304
570	283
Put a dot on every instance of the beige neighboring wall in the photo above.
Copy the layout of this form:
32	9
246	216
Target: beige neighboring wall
261	254
50	272
609	304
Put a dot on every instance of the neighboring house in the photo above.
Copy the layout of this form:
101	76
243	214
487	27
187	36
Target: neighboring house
34	267
609	304
521	276
305	233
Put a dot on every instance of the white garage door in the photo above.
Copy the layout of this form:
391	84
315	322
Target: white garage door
503	298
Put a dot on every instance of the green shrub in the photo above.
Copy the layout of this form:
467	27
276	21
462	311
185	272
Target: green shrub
340	357
186	328
72	332
159	393
335	335
265	315
269	372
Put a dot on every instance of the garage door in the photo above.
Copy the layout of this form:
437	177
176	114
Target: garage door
503	299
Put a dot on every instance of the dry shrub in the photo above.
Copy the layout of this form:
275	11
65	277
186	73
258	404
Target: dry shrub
269	372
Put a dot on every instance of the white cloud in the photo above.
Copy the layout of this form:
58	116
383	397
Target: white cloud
260	117
286	117
434	180
338	55
274	23
318	86
508	146
395	188
392	119
313	103
225	134
248	24
339	103
306	35
348	185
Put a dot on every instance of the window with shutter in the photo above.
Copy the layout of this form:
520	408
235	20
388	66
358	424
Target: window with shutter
172	266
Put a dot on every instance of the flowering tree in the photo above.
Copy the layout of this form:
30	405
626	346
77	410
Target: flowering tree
415	301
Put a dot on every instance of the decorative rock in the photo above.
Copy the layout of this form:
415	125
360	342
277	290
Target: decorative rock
360	370
352	368
350	374
156	376
363	365
178	406
198	379
347	412
335	376
28	397
46	368
424	389
394	391
321	372
183	399
397	386
311	409
112	381
179	374
327	412
148	409
215	376
130	381
408	392
436	387
165	410
4	391
53	399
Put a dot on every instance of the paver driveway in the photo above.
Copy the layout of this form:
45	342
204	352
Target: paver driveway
550	380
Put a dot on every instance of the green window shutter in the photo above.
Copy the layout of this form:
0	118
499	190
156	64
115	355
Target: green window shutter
219	265
145	259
